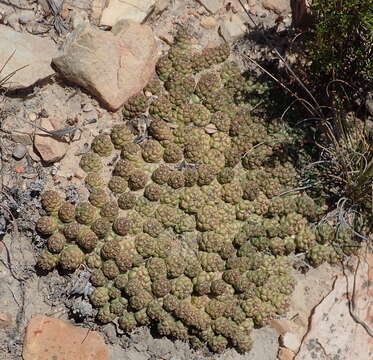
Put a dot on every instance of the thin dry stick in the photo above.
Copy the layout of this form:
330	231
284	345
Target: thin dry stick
305	103
288	67
351	299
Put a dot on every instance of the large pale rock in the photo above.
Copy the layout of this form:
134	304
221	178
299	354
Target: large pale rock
49	148
111	65
48	338
33	51
337	323
136	10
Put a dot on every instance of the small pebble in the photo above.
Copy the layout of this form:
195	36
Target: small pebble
208	22
19	151
32	116
88	107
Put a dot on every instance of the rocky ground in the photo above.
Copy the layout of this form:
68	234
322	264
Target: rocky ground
75	63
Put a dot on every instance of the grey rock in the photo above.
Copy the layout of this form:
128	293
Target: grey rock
33	53
111	65
265	345
135	355
161	348
19	151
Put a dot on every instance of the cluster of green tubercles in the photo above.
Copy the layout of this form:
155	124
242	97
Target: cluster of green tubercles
192	230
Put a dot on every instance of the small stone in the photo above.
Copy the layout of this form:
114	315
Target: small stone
136	10
5	319
49	148
277	6
208	22
231	30
19	151
285	354
47	338
210	129
290	341
88	107
211	6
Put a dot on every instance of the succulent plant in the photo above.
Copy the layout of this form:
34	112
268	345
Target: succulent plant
110	210
87	239
90	162
120	135
47	225
102	145
71	257
137	180
152	151
85	213
98	197
117	185
195	234
56	242
135	105
71	230
47	261
51	201
66	212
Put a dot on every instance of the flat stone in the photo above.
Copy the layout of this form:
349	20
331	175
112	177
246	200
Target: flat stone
290	341
211	6
34	52
111	65
49	148
277	6
48	338
136	10
232	29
